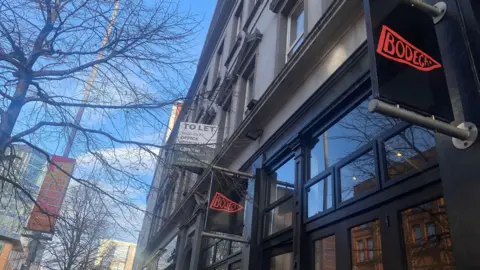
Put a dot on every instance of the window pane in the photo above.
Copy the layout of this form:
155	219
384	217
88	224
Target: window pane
358	177
354	130
366	246
410	150
236	266
427	237
236	247
279	218
300	23
320	197
283	183
370	248
281	262
361	250
222	251
296	21
222	267
325	254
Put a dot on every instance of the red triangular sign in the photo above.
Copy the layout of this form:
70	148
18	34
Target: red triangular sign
222	203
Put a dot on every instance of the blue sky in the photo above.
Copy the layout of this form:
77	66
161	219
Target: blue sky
204	10
53	139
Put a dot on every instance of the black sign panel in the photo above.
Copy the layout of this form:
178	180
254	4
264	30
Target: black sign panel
406	64
226	204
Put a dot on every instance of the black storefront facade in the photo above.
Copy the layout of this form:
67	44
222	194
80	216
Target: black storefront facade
397	198
338	187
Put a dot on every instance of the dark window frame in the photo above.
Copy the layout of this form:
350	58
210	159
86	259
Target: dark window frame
271	169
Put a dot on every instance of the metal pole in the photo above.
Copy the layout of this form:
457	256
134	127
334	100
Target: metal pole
225	237
432	10
419	120
90	82
232	172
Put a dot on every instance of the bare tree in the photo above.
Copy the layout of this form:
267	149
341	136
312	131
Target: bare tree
84	221
122	63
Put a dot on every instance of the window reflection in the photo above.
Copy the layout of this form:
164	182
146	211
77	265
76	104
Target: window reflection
222	251
222	267
236	247
281	262
354	130
283	183
320	196
358	177
279	218
366	246
410	150
325	254
236	266
427	237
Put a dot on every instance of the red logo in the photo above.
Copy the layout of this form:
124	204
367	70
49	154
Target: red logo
222	203
394	47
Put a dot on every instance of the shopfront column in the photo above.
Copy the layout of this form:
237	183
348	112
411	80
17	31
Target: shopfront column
300	259
460	169
195	262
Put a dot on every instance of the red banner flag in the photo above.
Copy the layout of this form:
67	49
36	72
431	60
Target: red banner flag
51	195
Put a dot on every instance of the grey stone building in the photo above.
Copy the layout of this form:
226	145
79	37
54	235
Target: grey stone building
334	187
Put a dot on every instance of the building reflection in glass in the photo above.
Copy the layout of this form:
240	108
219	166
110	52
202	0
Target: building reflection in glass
358	177
354	130
325	253
279	217
411	150
282	262
427	237
366	246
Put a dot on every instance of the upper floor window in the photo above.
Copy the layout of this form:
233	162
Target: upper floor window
219	63
238	21
295	29
247	93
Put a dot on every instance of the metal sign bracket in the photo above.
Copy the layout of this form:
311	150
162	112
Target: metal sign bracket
463	135
437	11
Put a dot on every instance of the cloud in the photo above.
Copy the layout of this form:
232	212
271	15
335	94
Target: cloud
130	159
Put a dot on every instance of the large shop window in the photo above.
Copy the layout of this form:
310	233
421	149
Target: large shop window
278	214
345	158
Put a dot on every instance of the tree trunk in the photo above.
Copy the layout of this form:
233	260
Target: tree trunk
9	118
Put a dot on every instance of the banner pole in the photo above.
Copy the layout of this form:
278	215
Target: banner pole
208	204
248	175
